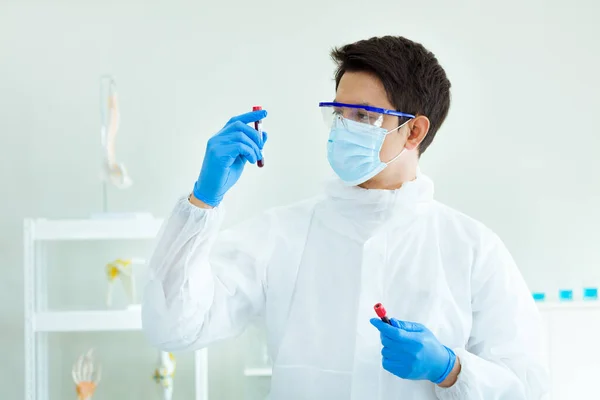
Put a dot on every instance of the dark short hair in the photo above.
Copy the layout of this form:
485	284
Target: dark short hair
413	78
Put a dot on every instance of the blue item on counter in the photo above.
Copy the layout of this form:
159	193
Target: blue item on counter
539	296
565	295
590	293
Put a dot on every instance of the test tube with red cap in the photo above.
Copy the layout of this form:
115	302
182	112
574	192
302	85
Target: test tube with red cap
381	313
258	127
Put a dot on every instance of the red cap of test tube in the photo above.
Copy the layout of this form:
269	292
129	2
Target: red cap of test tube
256	108
380	310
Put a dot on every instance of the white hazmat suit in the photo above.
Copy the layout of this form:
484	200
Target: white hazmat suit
316	268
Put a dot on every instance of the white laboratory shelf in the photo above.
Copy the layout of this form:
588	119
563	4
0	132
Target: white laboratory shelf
253	372
95	229
568	305
88	321
38	235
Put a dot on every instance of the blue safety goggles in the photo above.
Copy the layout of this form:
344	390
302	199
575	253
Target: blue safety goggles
358	113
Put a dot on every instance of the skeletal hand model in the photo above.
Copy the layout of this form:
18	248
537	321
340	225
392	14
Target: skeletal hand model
84	376
114	172
122	269
163	375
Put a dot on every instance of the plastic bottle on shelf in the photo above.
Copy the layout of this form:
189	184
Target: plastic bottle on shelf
589	288
567	291
539	288
538	293
590	293
538	296
565	294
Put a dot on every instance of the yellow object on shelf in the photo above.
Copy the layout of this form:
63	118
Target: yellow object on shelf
164	374
114	268
122	269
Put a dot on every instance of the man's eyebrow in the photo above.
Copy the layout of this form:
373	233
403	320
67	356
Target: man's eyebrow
364	103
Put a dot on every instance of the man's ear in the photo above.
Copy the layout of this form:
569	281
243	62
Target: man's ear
419	127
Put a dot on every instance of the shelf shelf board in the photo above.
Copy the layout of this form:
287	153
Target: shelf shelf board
96	229
255	372
568	305
88	321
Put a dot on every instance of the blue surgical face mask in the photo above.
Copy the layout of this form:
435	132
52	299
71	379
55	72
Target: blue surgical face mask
353	150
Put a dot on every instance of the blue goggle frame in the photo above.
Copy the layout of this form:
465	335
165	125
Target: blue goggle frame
368	108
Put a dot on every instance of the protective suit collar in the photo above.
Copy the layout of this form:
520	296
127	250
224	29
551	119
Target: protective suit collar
365	212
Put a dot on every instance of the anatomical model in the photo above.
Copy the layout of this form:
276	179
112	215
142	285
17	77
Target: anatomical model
122	269
114	172
85	376
163	375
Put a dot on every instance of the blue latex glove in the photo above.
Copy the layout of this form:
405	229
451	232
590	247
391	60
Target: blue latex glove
226	154
411	351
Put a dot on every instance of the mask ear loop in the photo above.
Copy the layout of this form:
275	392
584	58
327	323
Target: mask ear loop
404	148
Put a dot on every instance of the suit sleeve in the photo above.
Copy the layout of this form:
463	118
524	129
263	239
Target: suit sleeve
503	357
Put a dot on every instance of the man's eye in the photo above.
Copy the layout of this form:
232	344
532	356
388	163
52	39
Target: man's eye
363	117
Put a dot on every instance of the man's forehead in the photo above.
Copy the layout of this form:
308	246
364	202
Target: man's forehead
363	89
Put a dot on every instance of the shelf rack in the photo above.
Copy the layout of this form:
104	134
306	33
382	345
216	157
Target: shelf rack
39	321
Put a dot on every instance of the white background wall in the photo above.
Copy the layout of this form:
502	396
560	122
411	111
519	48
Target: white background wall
518	151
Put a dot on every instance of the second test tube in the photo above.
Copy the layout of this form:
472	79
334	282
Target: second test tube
258	127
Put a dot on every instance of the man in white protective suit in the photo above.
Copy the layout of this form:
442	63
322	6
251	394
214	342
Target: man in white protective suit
463	324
